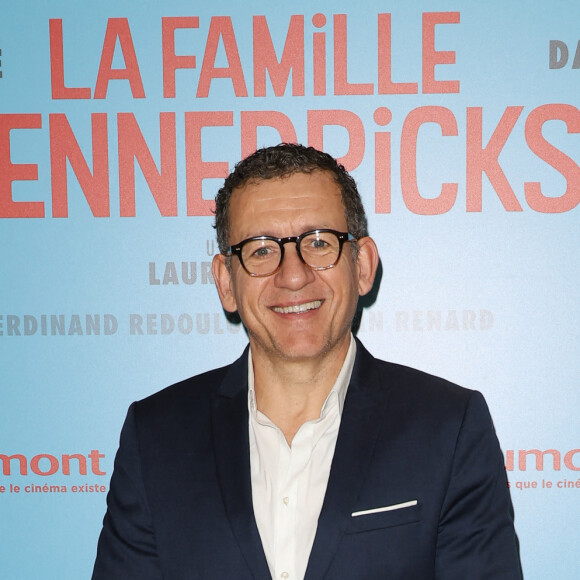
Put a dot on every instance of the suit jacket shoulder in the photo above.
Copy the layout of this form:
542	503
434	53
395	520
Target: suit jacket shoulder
179	504
417	480
413	393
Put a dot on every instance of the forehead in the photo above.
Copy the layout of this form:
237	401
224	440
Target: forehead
286	206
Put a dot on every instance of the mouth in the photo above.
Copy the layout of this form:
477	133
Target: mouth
298	308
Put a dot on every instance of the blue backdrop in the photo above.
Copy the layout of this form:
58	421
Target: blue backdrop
460	123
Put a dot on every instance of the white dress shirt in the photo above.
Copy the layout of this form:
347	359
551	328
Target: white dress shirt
289	482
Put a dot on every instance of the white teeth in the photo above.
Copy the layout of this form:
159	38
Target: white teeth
297	308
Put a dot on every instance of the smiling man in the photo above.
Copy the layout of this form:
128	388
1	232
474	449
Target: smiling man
307	457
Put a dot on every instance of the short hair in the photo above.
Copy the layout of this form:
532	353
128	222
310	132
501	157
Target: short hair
282	161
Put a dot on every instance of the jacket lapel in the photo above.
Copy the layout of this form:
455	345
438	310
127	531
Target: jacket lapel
232	454
359	429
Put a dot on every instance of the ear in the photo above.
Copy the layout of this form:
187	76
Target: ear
223	281
367	263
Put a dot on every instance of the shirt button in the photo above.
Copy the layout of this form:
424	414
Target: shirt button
285	575
286	501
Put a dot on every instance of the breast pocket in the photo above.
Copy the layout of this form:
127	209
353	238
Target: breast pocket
385	517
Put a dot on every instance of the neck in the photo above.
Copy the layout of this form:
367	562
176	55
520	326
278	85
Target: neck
292	392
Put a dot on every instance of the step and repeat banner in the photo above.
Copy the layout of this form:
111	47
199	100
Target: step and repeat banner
459	121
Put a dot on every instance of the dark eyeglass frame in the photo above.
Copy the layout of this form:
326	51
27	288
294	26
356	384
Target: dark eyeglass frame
343	237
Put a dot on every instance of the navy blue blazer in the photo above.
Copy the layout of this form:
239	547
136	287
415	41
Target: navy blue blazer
180	501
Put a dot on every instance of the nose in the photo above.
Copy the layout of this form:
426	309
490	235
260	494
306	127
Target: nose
293	273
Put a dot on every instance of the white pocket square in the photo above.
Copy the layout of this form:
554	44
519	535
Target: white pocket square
388	508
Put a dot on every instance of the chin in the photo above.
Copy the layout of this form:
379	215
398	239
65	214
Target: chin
302	349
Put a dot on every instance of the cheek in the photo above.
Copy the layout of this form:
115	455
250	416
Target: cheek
345	284
248	294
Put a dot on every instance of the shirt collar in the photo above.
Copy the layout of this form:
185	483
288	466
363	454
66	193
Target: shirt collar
337	392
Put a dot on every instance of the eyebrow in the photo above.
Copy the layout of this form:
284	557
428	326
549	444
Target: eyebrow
306	229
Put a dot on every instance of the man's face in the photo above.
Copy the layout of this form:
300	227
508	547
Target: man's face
326	299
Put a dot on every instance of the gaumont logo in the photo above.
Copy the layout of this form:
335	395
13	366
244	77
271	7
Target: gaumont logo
46	465
558	463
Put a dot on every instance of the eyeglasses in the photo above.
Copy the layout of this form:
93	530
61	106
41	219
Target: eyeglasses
318	249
